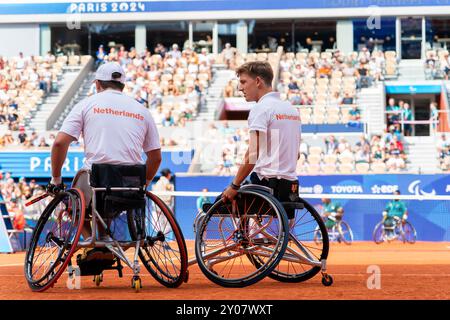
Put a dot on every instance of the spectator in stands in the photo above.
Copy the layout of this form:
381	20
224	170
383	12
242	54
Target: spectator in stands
8	138
406	115
355	114
324	70
331	145
391	110
378	154
304	149
171	89
434	116
228	92
364	79
22	134
343	145
51	139
442	142
293	87
13	119
295	99
168	120
362	154
430	66
34	138
285	64
445	65
396	144
444	157
43	143
347	99
306	99
161	50
391	133
395	163
379	64
21	61
100	54
164	184
175	52
44	84
228	54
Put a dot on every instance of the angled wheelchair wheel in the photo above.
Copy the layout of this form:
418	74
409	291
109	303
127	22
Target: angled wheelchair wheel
409	234
54	239
378	233
345	232
232	236
308	245
163	252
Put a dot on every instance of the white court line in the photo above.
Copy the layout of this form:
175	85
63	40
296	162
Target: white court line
333	274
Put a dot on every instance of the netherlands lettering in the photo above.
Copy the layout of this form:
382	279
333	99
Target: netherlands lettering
287	117
118	113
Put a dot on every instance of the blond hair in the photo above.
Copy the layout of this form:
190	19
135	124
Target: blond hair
255	69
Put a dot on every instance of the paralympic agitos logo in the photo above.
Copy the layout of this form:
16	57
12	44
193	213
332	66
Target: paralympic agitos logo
415	189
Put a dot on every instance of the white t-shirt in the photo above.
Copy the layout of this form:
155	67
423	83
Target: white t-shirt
279	125
115	127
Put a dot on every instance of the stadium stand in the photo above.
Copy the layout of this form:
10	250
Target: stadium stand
437	64
24	84
347	154
170	84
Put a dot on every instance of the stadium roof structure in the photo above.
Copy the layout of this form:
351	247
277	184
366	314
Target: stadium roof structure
156	10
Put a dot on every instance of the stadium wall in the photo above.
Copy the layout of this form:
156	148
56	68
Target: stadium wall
20	38
430	218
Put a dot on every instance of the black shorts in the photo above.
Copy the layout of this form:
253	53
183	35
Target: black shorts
284	190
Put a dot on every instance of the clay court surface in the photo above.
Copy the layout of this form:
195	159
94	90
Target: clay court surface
419	271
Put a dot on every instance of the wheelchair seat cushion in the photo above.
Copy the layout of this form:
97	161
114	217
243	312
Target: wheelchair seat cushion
112	203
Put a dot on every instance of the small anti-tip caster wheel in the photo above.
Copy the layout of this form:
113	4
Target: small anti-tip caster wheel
186	278
98	279
327	280
136	283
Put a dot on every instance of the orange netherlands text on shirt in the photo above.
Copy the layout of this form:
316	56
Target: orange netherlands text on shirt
287	117
118	113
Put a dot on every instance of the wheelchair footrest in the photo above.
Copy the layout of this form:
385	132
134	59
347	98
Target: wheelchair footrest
94	267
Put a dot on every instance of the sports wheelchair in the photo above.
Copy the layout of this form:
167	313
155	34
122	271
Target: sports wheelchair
340	231
238	243
115	193
400	230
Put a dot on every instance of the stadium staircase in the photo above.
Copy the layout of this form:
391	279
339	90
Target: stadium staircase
80	95
411	70
37	120
214	94
371	102
422	154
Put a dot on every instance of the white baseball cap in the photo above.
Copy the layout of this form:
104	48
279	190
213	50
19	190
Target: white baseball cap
105	72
